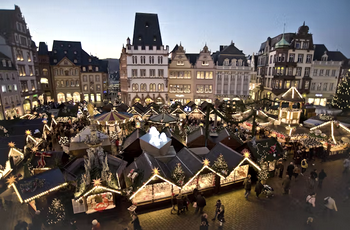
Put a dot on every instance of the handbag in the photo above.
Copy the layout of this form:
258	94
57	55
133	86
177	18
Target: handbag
195	204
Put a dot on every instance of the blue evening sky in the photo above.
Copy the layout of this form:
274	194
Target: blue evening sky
103	25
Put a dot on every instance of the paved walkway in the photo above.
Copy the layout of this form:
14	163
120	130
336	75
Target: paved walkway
279	212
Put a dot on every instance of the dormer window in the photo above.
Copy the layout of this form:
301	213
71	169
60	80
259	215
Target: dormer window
240	62
9	63
55	51
3	62
65	52
75	61
226	62
90	67
180	63
297	45
140	38
65	62
305	45
89	59
324	57
96	69
84	68
146	24
69	45
75	52
233	62
205	63
54	60
154	38
61	45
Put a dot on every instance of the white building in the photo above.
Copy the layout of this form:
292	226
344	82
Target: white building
325	72
144	64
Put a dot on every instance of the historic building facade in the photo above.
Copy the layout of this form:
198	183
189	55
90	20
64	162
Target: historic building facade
325	73
285	61
181	75
47	85
144	64
10	96
17	36
232	73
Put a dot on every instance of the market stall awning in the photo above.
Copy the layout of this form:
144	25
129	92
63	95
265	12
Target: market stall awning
163	118
39	185
292	95
112	117
333	129
81	136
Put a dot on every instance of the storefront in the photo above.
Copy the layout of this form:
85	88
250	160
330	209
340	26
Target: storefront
35	102
318	99
27	105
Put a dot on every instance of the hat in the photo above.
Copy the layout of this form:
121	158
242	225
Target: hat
94	222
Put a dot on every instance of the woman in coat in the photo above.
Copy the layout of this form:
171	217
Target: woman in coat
221	214
258	188
204	222
136	222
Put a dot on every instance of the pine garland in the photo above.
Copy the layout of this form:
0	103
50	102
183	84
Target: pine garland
178	175
56	212
220	165
341	100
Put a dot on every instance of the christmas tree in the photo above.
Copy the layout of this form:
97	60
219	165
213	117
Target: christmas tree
220	165
178	175
56	212
341	100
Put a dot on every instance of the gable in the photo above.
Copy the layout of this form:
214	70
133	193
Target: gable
65	62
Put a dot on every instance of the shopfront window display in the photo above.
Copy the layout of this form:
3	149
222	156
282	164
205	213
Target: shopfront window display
238	174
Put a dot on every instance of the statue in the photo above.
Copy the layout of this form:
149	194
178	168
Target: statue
91	109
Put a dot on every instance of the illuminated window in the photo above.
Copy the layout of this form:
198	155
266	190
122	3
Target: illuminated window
98	97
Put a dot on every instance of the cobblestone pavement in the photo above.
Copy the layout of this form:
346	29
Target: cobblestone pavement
285	212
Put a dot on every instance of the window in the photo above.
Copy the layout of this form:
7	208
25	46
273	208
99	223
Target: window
98	97
143	59
269	71
152	72
319	86
135	87
240	62
24	86
200	89
85	78
3	62
75	61
226	62
290	71
29	57
180	63
279	58
324	58
85	87
274	58
208	75
300	58
15	87
90	68
333	72
97	78
296	84
96	68
160	87
307	83
22	71
160	73
98	87
77	83
143	87
3	88
23	41
200	75
307	71
19	55
72	83
205	63
45	73
152	87
134	72
151	59
305	45
32	83
91	78
143	73
187	88
297	45
331	85
327	72
321	72
10	63
89	59
287	84
160	60
67	83
325	86
55	60
298	71
315	72
308	58
86	97
208	88
270	59
84	68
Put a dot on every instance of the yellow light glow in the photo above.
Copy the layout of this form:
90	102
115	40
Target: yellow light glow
246	154
332	124
98	187
17	193
316	127
11	144
206	162
46	192
28	132
155	171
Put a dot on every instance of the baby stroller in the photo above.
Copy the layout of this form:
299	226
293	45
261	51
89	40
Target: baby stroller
268	191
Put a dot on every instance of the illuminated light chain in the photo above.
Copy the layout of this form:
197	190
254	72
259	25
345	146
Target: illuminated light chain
19	196
46	192
316	127
332	124
98	187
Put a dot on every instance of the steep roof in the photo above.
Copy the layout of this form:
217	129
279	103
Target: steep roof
7	67
73	49
287	36
146	30
230	52
43	50
319	51
192	58
336	56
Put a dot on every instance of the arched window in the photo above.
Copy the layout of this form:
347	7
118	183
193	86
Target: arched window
61	71
76	72
144	87
135	87
233	62
226	61
77	83
160	87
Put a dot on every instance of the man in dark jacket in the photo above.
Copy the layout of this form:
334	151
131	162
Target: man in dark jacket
286	185
180	204
258	188
247	186
321	177
201	203
290	170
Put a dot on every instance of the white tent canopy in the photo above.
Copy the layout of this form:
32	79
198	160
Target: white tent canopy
80	137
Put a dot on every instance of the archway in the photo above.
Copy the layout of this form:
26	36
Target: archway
61	97
159	100
137	100
148	100
69	97
27	106
76	97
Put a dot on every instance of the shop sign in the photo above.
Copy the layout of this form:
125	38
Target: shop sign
35	95
318	95
26	97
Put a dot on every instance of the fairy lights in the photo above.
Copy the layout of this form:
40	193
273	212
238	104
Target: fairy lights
332	124
316	127
98	187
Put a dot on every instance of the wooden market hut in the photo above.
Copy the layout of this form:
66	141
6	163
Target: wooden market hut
196	113
148	180
227	138
197	139
179	112
131	145
176	140
42	161
122	108
10	155
162	119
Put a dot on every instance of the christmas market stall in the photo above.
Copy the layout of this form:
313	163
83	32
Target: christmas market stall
176	140
148	180
162	119
178	112
135	112
197	139
228	138
333	133
96	178
131	147
149	113
34	187
42	161
228	165
9	158
196	113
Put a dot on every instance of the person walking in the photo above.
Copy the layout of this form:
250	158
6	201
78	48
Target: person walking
173	202
117	145
321	176
201	203
329	206
186	202
217	209
346	165
290	169
286	185
96	225
247	186
136	222
180	204
310	202
204	222
296	172
313	179
304	166
258	188
221	214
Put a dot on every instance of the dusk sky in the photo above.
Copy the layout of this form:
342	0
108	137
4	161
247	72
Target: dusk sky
104	25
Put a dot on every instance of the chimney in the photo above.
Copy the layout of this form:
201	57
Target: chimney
221	48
